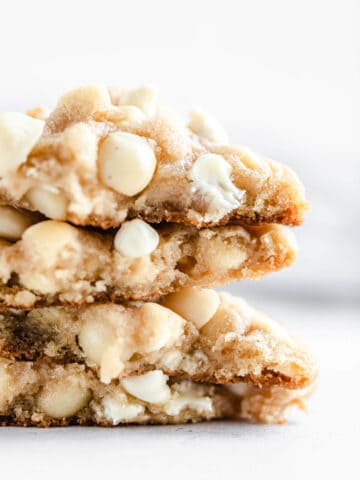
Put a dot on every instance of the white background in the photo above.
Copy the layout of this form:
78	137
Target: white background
284	78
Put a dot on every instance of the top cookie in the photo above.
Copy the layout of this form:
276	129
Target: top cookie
107	155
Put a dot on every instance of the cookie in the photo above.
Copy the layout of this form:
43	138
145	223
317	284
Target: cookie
194	333
102	157
42	394
53	262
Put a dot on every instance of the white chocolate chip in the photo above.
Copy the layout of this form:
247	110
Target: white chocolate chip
18	135
195	304
179	403
160	327
126	163
171	360
96	337
48	240
13	223
49	201
144	98
206	126
136	238
151	387
65	397
112	361
210	175
85	100
116	410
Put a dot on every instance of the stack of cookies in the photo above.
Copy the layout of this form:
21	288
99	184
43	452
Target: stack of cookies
115	221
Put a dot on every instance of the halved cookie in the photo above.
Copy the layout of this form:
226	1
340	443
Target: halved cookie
195	333
54	262
103	158
44	394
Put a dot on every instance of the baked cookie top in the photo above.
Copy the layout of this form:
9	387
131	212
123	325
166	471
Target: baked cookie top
107	155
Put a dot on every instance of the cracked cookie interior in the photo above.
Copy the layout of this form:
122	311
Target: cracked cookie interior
54	262
43	395
195	333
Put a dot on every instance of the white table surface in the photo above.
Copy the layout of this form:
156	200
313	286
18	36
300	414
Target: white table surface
324	441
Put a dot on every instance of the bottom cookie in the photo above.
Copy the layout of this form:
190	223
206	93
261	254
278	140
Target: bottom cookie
42	394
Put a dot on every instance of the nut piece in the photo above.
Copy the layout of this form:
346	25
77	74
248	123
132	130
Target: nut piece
116	410
126	163
195	304
211	177
151	387
18	135
13	223
225	257
206	126
64	397
49	201
85	100
47	240
136	239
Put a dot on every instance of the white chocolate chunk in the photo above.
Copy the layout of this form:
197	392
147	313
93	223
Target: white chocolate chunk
116	410
179	403
65	398
195	304
85	100
151	387
210	175
48	240
136	238
126	163
13	223
95	338
49	201
206	126
18	135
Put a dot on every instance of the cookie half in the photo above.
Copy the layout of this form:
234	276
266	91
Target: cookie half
104	157
53	262
42	395
195	333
